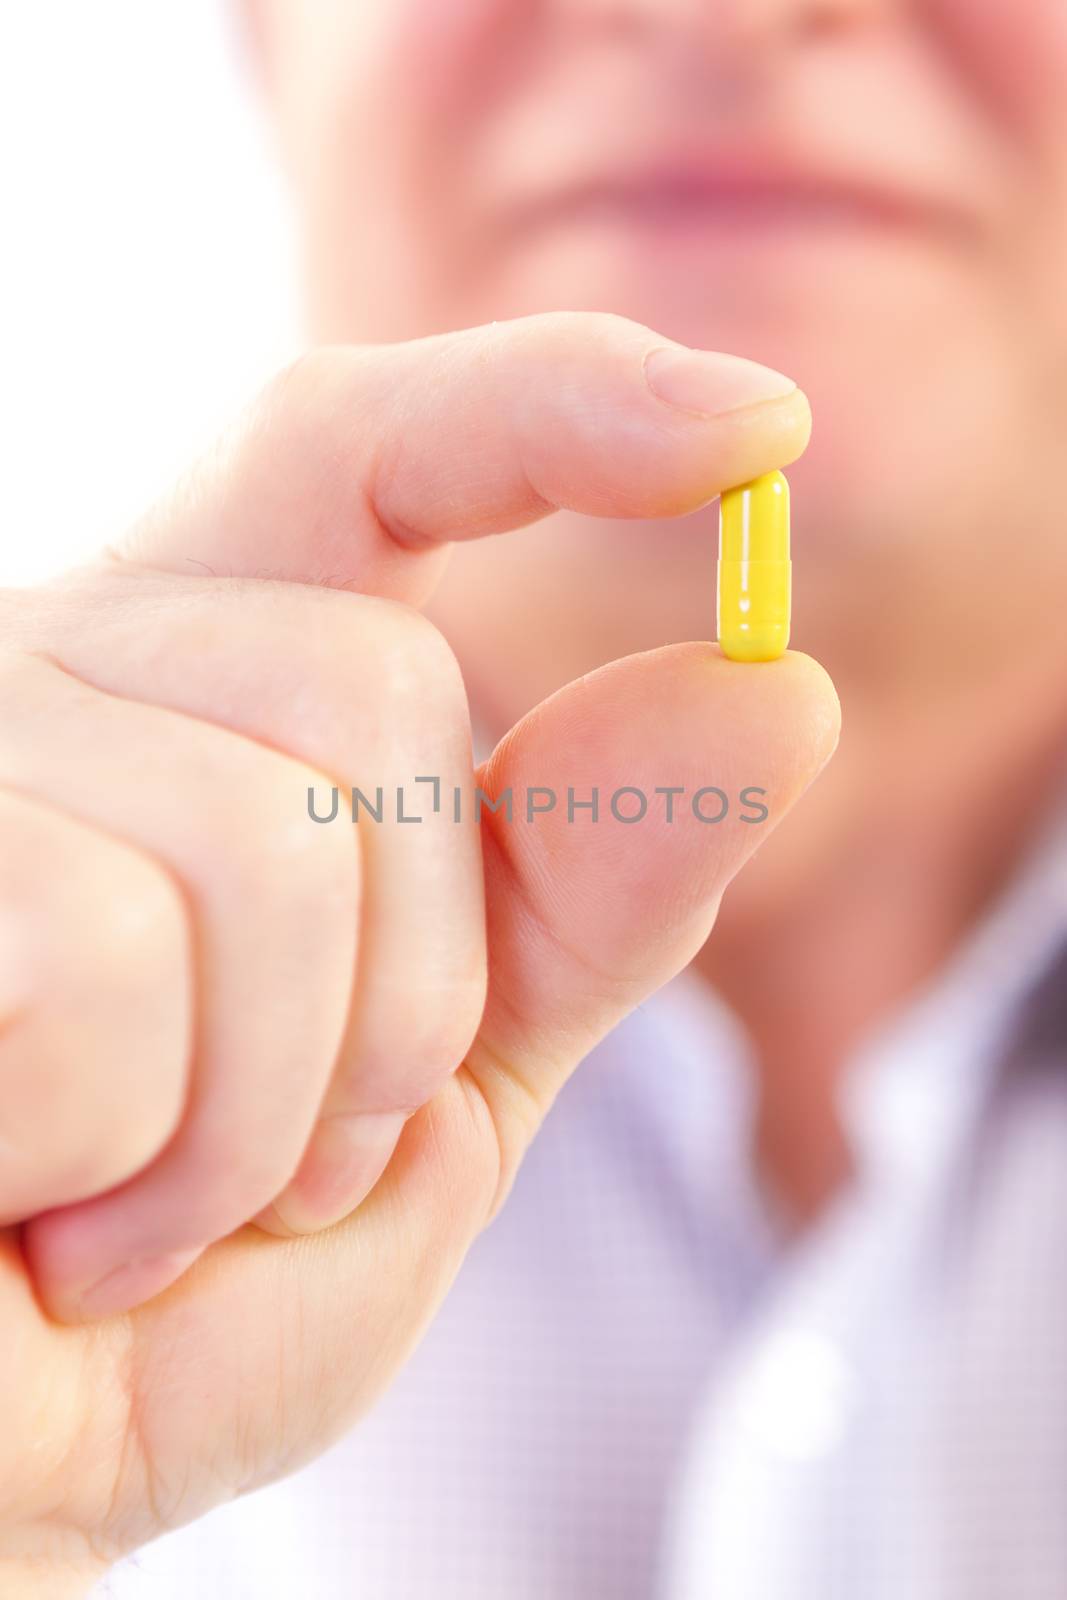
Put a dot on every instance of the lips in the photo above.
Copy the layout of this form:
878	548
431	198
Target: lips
719	195
767	201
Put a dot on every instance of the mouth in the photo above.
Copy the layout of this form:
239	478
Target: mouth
672	199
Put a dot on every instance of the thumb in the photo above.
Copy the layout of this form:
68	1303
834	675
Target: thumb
636	794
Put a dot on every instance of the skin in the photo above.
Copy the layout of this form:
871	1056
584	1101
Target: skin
291	616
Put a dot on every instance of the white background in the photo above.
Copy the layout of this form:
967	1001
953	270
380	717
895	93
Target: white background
146	275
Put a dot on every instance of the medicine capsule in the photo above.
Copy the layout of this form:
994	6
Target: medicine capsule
755	572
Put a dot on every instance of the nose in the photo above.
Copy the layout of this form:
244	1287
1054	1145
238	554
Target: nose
737	21
751	18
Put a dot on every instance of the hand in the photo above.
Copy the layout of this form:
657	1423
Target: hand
308	1057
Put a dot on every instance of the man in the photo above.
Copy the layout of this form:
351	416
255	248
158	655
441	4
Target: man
777	1305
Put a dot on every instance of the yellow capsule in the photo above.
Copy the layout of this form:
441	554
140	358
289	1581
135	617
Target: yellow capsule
754	569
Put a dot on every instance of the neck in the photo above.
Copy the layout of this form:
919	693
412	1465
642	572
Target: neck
915	827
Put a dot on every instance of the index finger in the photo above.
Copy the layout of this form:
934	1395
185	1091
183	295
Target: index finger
359	462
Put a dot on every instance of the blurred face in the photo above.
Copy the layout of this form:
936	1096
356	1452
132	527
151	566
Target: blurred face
868	194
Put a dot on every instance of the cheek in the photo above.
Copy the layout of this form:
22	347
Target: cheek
386	97
1016	50
399	84
457	54
1013	55
392	63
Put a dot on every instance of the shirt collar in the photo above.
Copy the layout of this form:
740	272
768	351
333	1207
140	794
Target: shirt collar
916	1086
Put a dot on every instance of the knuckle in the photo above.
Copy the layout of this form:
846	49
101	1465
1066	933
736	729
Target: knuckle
137	917
285	837
95	1061
253	1178
416	659
136	954
467	1005
293	862
308	409
458	1005
241	1175
337	643
333	637
320	645
300	383
464	1144
95	1114
438	1029
115	1136
602	330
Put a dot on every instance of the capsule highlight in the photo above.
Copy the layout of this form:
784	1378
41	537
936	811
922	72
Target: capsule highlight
755	572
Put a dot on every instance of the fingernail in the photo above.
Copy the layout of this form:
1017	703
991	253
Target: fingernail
708	383
347	1154
133	1283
